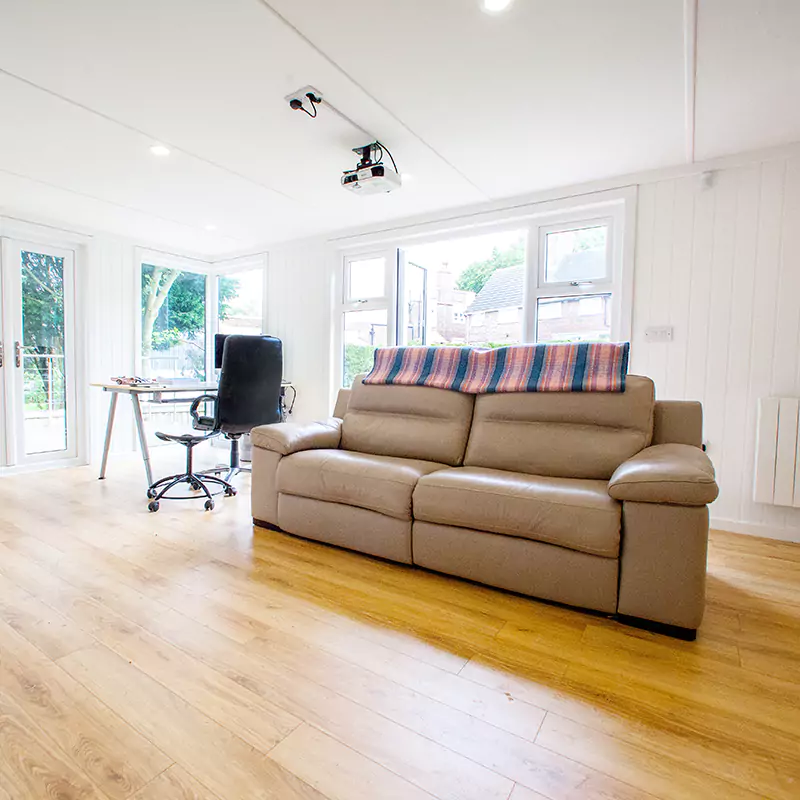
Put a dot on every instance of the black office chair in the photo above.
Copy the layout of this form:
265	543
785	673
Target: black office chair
249	394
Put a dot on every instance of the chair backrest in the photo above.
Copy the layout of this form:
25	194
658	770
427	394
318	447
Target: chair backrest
250	383
562	435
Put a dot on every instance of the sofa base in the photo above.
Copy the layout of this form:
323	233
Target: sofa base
675	631
524	566
260	523
346	526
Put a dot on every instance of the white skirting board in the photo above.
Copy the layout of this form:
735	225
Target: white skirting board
751	529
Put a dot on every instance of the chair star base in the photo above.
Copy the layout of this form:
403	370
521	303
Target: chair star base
197	481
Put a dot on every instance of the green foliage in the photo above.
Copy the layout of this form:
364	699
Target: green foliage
43	302
43	328
475	276
181	313
358	358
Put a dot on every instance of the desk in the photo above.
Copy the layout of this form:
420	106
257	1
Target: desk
156	392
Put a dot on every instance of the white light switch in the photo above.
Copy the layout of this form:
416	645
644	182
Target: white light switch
662	333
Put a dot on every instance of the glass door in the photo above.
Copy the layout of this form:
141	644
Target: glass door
39	387
412	289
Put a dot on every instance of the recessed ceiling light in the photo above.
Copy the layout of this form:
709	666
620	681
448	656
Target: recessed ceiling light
159	150
210	227
495	6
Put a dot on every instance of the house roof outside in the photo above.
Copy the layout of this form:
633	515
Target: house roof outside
502	290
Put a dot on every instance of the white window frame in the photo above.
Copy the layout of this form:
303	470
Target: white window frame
169	261
212	272
617	206
231	266
387	302
613	284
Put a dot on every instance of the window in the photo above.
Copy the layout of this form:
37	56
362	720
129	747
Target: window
173	310
574	319
366	278
576	254
555	275
572	295
364	331
240	302
368	321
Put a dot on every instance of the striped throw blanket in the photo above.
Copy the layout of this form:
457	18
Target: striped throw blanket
585	367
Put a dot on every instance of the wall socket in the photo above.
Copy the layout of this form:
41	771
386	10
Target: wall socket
662	333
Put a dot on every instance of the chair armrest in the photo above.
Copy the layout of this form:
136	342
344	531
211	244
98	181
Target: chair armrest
198	422
286	438
675	474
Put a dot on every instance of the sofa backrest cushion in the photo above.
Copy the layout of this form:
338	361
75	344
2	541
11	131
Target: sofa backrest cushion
565	435
408	422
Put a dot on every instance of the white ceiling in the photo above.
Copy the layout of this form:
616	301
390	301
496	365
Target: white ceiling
473	106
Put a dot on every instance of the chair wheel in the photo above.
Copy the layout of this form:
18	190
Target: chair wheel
153	506
209	505
195	486
151	493
230	492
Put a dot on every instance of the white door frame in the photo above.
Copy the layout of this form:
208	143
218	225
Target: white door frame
13	381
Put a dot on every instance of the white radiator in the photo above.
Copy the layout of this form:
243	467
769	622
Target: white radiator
777	474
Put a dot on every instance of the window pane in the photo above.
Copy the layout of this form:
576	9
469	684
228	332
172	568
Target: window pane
574	319
367	279
44	390
363	332
173	323
240	302
576	255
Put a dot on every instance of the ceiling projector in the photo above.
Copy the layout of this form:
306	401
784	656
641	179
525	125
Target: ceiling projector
371	175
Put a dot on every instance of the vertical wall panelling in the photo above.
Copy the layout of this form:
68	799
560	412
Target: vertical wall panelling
110	348
720	265
299	313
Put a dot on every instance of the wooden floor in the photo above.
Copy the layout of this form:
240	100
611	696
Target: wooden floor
185	655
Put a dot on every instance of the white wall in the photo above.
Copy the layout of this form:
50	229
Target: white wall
720	264
299	313
106	279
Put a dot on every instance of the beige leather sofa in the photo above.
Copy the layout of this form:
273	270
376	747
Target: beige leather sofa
589	499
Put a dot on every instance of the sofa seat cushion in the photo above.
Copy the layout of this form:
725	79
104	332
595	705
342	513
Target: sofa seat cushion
378	483
570	512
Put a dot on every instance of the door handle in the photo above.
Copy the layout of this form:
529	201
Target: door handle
17	354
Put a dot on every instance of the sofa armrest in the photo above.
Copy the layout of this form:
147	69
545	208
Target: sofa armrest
675	474
286	438
342	401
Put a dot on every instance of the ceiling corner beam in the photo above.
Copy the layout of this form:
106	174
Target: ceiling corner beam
690	75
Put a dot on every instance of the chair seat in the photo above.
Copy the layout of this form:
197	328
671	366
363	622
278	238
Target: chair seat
183	438
377	483
569	512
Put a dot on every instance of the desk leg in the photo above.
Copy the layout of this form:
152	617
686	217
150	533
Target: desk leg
112	410
137	414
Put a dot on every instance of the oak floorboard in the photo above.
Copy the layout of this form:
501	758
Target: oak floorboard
425	763
175	783
102	745
31	767
339	772
218	758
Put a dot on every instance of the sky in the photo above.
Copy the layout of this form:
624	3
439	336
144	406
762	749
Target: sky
460	253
